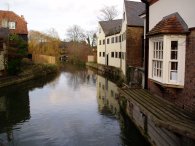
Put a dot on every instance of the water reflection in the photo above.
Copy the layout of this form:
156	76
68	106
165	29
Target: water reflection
15	105
77	107
108	104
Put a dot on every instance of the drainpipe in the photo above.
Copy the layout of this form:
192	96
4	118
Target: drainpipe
146	55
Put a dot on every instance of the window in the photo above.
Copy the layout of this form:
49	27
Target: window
4	23
116	39
119	55
124	16
157	62
103	54
116	54
100	42
104	42
120	38
174	60
108	41
167	60
112	54
100	54
12	25
112	39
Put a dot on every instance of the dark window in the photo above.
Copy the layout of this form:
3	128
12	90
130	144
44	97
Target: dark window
119	54
103	54
103	42
174	50
100	42
108	41
116	39
112	39
116	54
120	38
124	16
100	54
112	54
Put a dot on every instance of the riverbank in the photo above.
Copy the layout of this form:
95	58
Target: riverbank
30	72
111	72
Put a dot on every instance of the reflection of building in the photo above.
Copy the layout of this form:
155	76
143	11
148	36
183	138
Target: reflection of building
14	109
107	95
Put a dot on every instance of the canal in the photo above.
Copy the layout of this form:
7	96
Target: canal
75	108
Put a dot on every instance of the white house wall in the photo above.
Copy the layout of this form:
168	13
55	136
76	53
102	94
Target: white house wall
162	8
101	48
123	43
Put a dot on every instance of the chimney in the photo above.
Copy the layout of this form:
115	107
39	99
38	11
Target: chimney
22	16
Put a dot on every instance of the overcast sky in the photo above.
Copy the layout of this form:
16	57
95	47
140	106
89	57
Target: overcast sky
42	15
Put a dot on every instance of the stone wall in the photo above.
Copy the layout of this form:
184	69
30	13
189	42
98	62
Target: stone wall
185	97
134	46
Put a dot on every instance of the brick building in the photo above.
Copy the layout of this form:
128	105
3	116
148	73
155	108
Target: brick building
16	24
171	45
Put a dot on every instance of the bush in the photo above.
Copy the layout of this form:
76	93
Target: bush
14	66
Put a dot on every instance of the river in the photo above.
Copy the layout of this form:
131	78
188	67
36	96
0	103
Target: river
75	108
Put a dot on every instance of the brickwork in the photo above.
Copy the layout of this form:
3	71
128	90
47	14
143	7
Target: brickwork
185	98
134	46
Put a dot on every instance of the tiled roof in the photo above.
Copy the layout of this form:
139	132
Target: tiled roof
133	10
111	27
171	24
21	24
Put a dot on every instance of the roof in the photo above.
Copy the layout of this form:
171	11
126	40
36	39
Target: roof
111	27
21	24
171	24
133	10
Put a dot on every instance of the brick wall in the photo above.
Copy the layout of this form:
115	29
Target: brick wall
185	98
134	46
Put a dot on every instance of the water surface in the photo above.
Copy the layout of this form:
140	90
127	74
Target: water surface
72	109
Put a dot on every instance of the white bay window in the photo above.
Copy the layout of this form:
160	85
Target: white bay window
167	60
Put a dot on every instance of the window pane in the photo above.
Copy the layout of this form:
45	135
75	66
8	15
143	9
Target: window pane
174	65
174	45
173	75
174	55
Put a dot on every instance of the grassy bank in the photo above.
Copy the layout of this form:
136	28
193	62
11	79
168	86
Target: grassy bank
29	72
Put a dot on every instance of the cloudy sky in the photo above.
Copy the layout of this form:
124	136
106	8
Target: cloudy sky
42	15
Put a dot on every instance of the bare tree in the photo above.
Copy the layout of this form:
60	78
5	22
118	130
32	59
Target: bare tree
108	13
76	33
91	38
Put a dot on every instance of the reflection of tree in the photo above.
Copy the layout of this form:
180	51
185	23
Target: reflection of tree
14	107
77	76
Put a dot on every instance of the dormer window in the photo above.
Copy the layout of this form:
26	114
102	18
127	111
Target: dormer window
12	25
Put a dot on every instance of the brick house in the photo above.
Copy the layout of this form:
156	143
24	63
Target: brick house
16	24
120	41
3	45
170	46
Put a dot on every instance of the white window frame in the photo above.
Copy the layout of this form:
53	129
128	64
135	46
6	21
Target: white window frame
12	25
164	78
